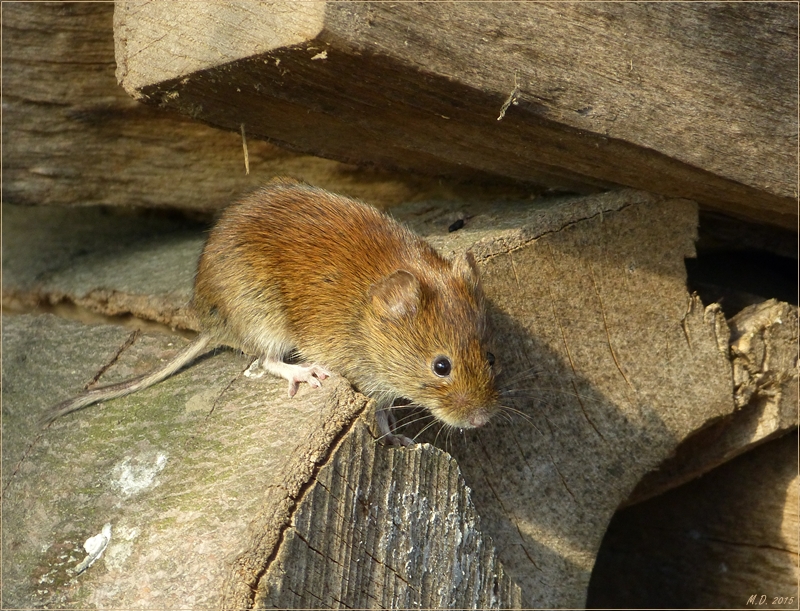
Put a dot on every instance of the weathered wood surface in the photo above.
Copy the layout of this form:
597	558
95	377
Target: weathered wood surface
711	544
599	340
202	477
388	529
765	376
693	100
72	136
110	264
610	362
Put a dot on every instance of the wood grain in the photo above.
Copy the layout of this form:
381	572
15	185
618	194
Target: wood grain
686	99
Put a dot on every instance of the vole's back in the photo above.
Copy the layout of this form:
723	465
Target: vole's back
291	265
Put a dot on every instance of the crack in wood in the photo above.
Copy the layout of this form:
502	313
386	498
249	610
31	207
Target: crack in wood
561	476
125	345
569	357
393	571
340	602
339	501
315	550
521	452
514	269
608	331
226	389
295	500
525	240
511	517
24	457
751	545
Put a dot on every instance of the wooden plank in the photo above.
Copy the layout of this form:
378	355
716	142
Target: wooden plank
726	541
109	264
600	341
765	376
179	471
686	99
72	136
396	529
611	363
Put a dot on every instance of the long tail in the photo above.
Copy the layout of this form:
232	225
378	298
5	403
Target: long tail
112	391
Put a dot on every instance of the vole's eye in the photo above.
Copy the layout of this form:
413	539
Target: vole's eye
490	358
442	366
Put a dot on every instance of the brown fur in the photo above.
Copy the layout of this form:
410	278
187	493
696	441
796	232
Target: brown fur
295	267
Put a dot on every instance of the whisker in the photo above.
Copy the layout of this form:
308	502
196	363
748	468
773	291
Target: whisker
530	373
451	437
439	432
411	417
507	408
535	393
447	430
425	428
418	418
506	417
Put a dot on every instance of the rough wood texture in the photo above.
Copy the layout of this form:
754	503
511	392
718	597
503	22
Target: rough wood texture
686	99
209	479
765	375
713	543
72	136
600	342
610	362
173	469
388	528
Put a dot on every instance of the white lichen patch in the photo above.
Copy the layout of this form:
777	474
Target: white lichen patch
135	474
95	546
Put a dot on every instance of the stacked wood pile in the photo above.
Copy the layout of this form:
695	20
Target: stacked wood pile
653	460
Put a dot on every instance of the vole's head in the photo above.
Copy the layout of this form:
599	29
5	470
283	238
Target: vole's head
430	342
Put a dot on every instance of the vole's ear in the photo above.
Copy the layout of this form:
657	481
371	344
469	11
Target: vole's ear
397	295
464	265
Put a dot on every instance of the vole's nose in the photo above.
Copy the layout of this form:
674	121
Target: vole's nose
479	418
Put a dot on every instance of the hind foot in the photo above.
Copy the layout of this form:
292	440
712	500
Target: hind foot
386	422
295	374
